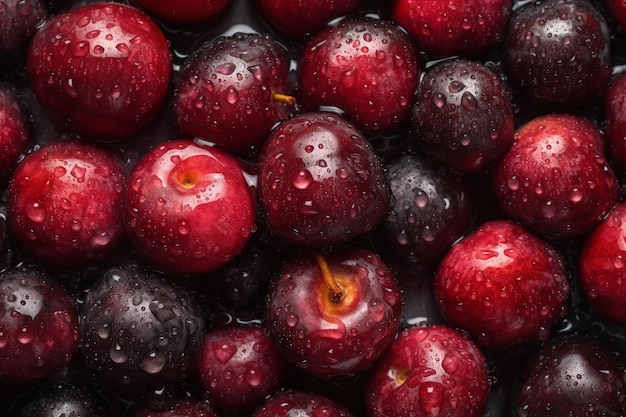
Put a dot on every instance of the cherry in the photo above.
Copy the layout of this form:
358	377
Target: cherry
320	181
557	51
302	404
106	70
180	408
503	285
432	208
429	371
38	327
232	90
366	67
64	203
462	116
19	20
15	133
571	376
457	27
185	12
140	331
63	399
555	179
334	315
239	366
614	108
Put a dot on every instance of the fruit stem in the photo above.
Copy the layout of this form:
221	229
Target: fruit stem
336	294
284	98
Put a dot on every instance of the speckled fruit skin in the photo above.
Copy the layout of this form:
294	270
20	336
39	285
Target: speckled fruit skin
302	404
239	367
503	285
429	371
38	327
462	116
104	69
184	12
328	339
558	51
225	90
456	27
140	331
575	375
188	208
296	19
366	67
320	181
61	399
555	179
15	131
64	203
602	263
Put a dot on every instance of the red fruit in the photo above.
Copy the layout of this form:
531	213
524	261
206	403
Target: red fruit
103	69
38	327
555	180
602	265
64	203
615	113
462	116
558	51
184	12
429	371
14	130
457	27
617	9
502	285
180	408
188	208
239	367
233	90
334	316
299	18
571	376
19	20
320	181
292	403
366	67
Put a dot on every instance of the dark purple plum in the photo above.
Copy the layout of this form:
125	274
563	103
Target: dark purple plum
320	181
432	209
141	331
15	129
19	20
180	408
462	115
63	399
232	90
558	51
571	376
302	404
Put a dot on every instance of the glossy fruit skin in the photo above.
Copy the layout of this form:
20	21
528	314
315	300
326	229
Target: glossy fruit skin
617	9
188	208
462	116
601	266
239	367
15	129
328	339
301	403
181	408
320	181
140	331
558	51
429	371
368	68
103	69
503	285
62	399
184	12
19	21
432	208
297	19
555	179
574	375
457	27
225	91
615	126
64	203
38	327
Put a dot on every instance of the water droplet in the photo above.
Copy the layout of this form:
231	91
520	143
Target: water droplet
103	331
35	212
223	350
431	397
292	320
25	335
468	101
450	363
153	363
101	239
301	179
253	377
226	68
117	354
456	86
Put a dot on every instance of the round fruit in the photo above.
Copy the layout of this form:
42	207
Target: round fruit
184	12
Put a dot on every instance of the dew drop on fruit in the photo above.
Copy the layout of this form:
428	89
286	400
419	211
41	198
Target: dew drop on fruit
468	101
226	68
348	78
117	354
253	377
101	239
292	320
103	331
223	350
25	335
232	96
575	195
431	397
301	179
153	363
35	212
548	210
455	86
376	310
3	339
439	100
450	363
